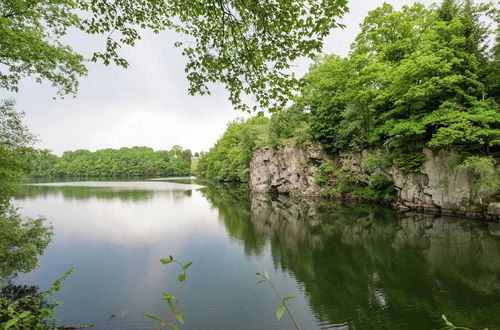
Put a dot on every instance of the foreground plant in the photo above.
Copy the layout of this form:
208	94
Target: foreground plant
281	308
173	301
21	307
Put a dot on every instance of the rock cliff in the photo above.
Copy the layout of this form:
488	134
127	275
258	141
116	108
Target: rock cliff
287	169
438	187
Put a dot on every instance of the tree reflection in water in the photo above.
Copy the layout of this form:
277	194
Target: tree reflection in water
370	267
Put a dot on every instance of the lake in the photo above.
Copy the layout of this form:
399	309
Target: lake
349	266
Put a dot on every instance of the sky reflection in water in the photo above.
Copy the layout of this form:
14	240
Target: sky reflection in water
350	266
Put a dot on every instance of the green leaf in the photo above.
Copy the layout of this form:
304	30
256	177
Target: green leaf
288	298
261	281
179	316
257	273
167	295
182	277
165	261
186	266
154	317
280	311
171	258
266	274
24	314
448	323
10	323
172	326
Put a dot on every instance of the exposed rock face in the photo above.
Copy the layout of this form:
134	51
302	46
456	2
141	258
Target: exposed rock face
494	208
438	186
287	169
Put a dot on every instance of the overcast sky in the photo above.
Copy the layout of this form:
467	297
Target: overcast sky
146	104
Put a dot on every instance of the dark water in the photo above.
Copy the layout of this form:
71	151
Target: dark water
349	266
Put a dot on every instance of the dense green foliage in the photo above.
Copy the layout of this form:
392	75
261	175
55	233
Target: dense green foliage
290	126
229	159
419	77
124	162
415	78
245	45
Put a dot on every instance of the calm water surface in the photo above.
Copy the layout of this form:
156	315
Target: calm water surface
349	266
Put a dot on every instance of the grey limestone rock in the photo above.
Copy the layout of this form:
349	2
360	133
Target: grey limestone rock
439	186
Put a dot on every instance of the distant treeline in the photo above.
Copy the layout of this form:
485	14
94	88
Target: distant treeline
124	162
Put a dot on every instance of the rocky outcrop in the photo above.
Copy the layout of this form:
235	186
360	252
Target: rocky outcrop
494	209
438	184
438	187
287	169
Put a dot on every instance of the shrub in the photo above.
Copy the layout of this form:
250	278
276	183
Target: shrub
408	161
487	177
380	182
380	160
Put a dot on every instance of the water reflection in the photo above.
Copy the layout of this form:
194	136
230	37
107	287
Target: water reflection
368	267
358	266
102	190
233	203
113	212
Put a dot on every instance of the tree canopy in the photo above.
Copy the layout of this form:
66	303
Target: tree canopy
419	77
229	158
248	46
123	162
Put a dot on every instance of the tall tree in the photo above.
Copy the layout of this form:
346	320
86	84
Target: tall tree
418	77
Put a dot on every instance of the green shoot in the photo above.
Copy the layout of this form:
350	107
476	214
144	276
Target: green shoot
281	308
172	301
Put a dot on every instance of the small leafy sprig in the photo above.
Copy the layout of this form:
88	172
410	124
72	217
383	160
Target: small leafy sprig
281	308
173	301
